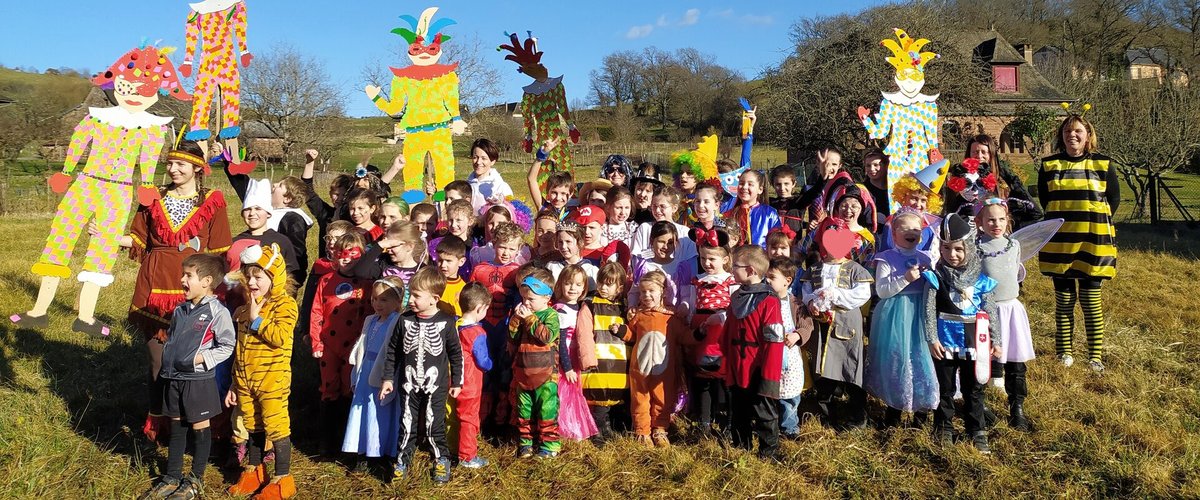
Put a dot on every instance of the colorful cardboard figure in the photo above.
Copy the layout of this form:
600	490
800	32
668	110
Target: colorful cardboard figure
909	116
425	94
221	26
543	106
121	138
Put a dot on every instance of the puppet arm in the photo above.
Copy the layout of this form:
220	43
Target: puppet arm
239	32
152	145
80	138
191	36
395	104
879	126
560	100
527	117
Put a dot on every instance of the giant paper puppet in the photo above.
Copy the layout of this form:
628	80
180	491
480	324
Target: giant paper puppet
543	106
909	116
120	138
425	95
221	27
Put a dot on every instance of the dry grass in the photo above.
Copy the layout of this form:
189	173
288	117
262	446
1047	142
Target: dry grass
72	408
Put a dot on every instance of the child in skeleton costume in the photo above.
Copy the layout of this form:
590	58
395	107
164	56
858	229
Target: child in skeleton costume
262	373
120	138
425	96
424	362
214	22
534	331
1002	257
834	290
958	296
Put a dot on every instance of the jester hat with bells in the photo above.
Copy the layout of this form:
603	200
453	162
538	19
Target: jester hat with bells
270	259
908	59
526	55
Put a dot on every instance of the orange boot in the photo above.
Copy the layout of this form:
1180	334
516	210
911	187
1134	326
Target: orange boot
250	481
279	488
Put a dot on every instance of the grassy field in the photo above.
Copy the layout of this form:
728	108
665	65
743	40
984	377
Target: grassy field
73	408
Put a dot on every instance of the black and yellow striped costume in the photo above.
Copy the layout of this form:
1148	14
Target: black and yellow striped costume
608	384
1083	191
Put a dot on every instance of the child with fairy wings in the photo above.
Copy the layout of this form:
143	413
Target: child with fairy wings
544	101
120	138
425	94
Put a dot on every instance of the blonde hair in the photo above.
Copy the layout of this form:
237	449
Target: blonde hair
460	206
389	285
428	279
409	232
297	191
908	185
755	257
656	278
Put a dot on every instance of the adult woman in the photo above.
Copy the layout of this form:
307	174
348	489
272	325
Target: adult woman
187	219
1024	211
1079	185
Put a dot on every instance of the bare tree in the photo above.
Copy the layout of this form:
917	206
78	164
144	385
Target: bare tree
291	95
618	80
478	79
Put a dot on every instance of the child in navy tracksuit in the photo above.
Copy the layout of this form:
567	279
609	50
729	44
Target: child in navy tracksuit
201	337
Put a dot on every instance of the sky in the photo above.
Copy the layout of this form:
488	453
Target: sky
348	35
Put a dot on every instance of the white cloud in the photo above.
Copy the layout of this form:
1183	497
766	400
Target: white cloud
692	16
724	13
755	19
641	31
662	21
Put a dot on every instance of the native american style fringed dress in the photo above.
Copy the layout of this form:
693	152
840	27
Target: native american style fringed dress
427	98
213	21
165	233
104	188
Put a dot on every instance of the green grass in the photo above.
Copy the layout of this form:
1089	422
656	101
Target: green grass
73	407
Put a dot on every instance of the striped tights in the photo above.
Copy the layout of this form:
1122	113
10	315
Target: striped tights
1087	292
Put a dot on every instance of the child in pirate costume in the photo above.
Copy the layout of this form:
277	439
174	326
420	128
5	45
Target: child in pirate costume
262	374
834	290
534	331
424	361
958	292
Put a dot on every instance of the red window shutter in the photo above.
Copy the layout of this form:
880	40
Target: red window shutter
1004	79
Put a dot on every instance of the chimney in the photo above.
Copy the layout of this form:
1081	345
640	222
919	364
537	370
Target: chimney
1027	51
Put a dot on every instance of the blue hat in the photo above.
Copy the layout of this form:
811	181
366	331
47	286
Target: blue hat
537	286
933	176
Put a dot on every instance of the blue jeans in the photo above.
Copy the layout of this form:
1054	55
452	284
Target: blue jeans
789	417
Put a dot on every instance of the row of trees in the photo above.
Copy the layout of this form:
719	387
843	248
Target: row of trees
683	89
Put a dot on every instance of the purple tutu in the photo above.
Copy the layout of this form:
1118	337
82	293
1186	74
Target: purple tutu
1014	330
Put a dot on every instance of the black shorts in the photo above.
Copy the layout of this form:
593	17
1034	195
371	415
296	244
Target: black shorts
190	400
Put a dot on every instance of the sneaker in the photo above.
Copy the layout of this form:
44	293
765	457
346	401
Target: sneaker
1067	360
980	440
998	382
525	451
1097	366
441	471
474	463
547	454
659	437
400	471
161	489
189	489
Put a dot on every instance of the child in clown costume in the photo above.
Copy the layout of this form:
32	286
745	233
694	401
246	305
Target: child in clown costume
544	102
425	94
909	116
214	22
120	138
262	374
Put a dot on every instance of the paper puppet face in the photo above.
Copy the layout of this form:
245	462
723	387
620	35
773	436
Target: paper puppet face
423	54
132	95
835	240
909	61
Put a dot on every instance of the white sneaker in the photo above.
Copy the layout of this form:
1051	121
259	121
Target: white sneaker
1067	360
1097	366
998	382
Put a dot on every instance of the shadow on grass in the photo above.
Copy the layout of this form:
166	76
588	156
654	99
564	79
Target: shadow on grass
1178	239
